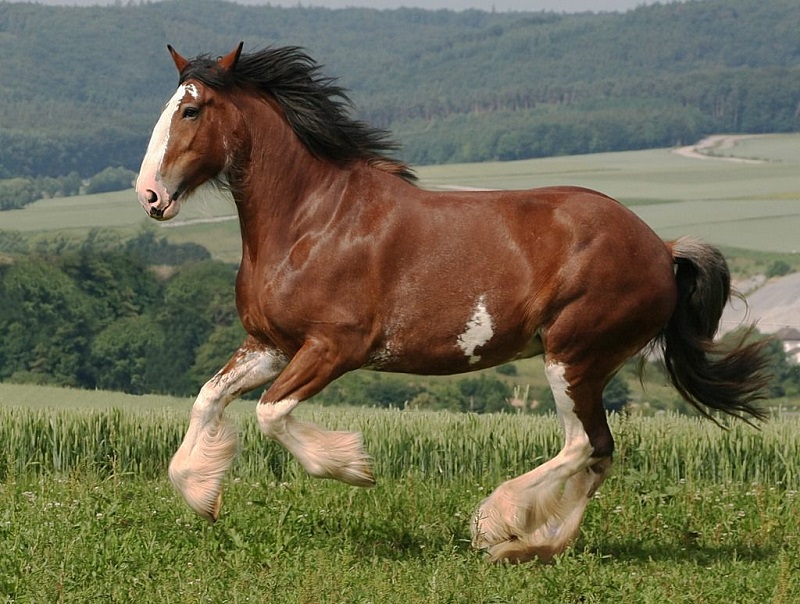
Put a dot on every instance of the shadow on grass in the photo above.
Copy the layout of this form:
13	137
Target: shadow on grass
702	555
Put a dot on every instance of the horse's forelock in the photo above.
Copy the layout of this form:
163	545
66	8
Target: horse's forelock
204	69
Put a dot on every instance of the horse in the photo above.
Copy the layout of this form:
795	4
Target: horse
347	263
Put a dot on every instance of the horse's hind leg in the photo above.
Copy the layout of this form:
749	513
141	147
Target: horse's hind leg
557	533
538	514
323	453
210	444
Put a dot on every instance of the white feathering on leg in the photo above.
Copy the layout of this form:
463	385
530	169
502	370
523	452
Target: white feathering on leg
323	453
200	464
537	514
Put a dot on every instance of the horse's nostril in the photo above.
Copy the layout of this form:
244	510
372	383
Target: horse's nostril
152	197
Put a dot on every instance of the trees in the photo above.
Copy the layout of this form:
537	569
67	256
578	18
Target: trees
95	316
453	85
195	302
45	324
111	179
131	355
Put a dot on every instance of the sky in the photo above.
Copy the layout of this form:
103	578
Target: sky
488	5
568	6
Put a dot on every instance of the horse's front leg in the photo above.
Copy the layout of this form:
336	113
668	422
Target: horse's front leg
210	444
323	453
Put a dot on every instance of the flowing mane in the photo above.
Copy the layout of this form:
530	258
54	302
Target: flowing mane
316	108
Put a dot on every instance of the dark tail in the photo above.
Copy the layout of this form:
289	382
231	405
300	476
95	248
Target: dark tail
706	374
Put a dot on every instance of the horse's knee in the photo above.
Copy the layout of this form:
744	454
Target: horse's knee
602	444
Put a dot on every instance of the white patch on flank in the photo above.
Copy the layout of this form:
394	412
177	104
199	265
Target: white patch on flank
479	331
157	147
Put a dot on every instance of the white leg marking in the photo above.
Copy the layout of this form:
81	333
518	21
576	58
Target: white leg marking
205	455
323	453
527	516
561	529
479	330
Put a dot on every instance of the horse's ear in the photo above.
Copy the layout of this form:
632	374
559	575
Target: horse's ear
180	62
228	62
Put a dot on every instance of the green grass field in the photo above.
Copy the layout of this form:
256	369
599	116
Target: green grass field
692	513
738	206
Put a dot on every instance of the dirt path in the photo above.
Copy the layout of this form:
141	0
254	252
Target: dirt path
174	224
774	304
711	145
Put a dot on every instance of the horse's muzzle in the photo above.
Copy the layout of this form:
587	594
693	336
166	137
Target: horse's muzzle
157	201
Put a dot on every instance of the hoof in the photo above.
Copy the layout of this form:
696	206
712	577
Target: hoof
358	475
517	551
213	513
203	496
327	454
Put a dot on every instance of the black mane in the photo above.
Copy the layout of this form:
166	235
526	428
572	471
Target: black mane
315	107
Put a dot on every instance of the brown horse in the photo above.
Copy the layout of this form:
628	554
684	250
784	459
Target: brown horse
347	264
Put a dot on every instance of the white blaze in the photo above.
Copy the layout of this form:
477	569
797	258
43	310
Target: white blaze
151	164
479	330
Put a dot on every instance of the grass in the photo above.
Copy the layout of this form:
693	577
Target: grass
691	513
80	539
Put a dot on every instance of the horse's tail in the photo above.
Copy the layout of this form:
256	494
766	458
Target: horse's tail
706	374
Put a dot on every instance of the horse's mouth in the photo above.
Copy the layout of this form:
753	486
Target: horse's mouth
158	213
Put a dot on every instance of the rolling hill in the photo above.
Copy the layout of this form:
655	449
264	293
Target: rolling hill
81	87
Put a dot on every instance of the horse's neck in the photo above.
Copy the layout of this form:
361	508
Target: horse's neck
281	190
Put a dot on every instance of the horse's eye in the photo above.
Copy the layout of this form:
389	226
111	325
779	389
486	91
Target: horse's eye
190	112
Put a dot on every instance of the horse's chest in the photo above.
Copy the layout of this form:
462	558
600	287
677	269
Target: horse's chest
273	305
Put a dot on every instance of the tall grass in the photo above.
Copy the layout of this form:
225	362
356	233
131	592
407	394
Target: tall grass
434	446
692	513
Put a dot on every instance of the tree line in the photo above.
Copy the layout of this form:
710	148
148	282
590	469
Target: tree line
17	192
81	87
99	314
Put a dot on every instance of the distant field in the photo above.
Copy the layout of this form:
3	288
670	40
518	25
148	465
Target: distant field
752	206
737	205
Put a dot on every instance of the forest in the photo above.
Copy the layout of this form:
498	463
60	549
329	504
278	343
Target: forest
103	314
81	87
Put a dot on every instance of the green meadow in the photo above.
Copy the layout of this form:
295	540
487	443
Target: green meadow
746	208
691	513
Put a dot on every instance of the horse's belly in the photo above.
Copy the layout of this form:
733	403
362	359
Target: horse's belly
477	347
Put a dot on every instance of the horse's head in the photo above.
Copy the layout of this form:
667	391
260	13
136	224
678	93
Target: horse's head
187	147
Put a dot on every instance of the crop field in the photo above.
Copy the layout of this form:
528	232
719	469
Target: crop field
692	513
751	206
743	206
